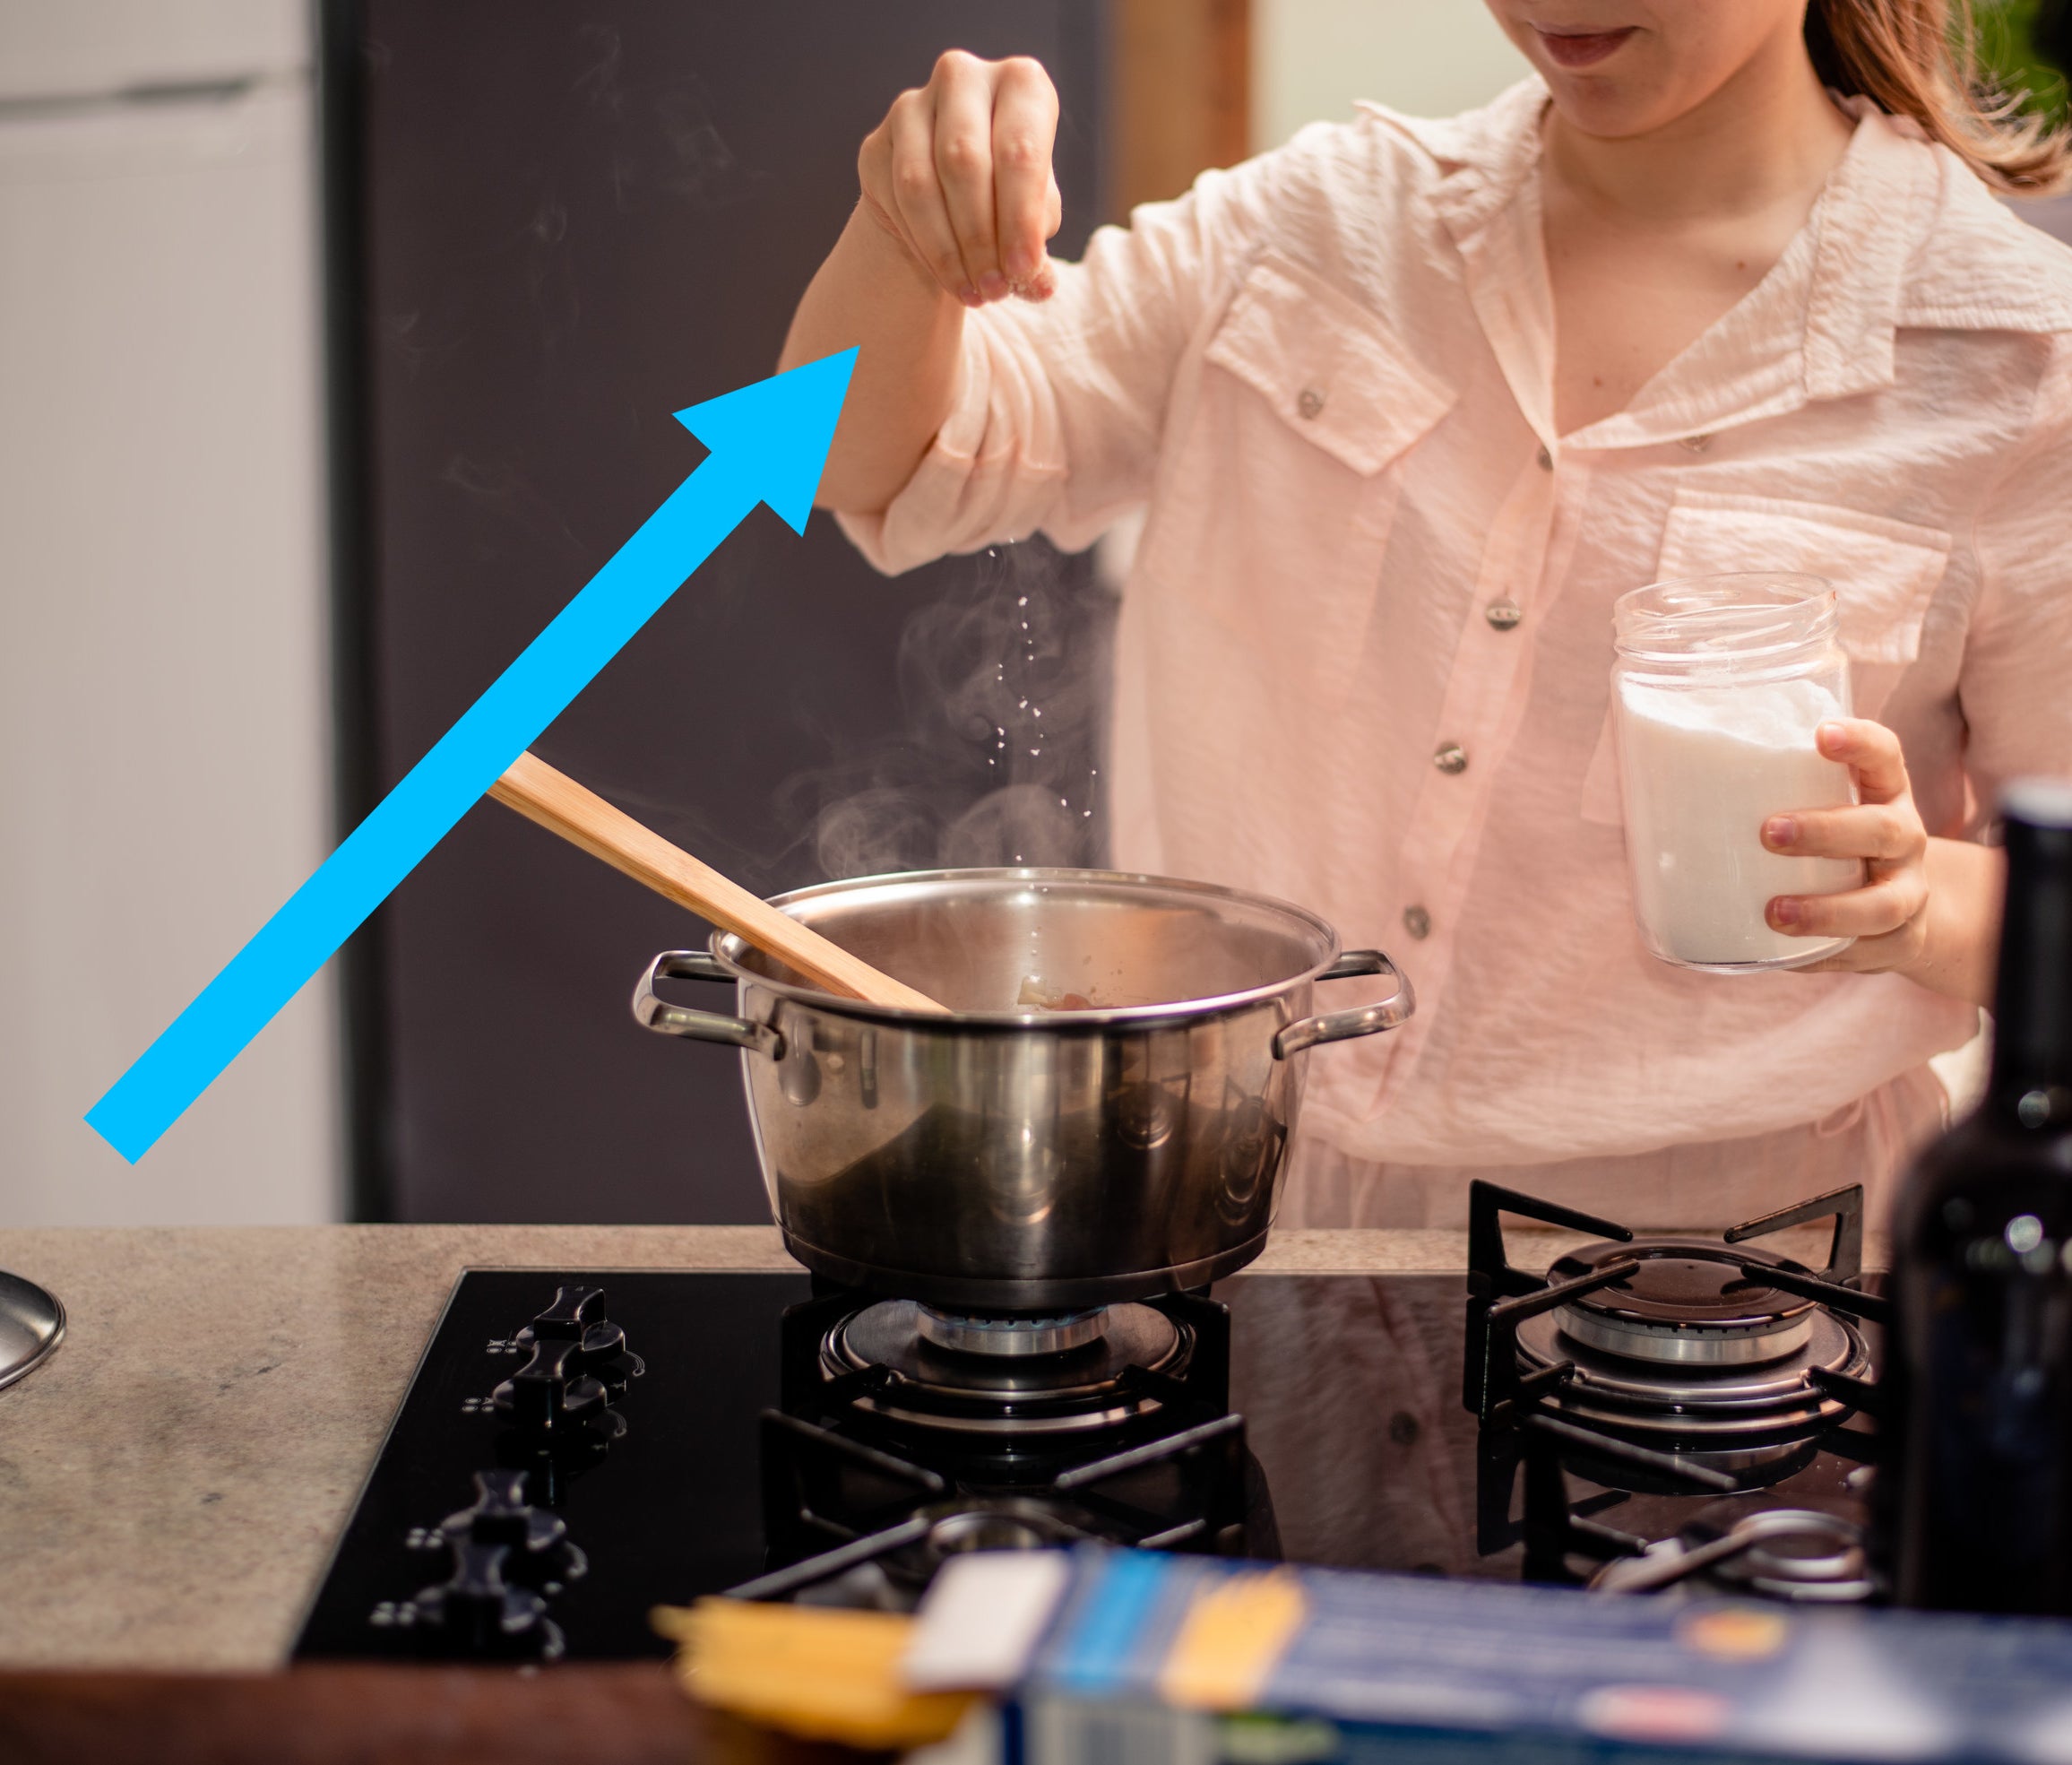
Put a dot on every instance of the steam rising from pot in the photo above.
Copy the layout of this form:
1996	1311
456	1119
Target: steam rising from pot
1003	686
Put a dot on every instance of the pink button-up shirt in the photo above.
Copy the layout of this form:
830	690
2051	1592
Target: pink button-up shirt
1328	373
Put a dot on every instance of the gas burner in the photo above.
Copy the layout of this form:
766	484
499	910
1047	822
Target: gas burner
1804	1556
1689	1351
1688	1304
1685	1344
909	1434
1024	1377
1738	1422
1659	1368
979	1333
1700	1408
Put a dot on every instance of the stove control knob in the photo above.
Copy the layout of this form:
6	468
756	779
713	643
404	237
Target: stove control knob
477	1612
577	1316
551	1395
579	1367
539	1554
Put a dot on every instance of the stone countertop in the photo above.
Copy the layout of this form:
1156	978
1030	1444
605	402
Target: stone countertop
173	1479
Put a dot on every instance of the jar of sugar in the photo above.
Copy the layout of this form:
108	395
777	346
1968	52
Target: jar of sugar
1719	686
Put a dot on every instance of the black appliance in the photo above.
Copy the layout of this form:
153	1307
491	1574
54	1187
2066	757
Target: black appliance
578	1448
549	227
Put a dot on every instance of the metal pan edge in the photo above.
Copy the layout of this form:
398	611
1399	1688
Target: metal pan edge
31	1327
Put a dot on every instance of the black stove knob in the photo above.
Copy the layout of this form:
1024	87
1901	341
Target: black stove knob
477	1610
577	1315
579	1367
539	1553
550	1394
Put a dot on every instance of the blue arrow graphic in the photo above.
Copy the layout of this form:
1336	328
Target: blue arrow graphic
769	442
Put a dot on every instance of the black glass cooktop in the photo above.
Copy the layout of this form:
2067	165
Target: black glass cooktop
579	1446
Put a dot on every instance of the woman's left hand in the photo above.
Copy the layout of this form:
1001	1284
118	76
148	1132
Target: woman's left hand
1888	916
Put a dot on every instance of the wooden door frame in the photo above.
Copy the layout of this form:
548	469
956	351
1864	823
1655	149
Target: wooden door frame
1180	95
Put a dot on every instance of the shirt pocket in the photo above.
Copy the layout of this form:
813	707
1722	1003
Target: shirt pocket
1285	492
1884	573
1331	370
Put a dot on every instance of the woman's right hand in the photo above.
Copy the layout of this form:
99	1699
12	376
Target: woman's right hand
958	173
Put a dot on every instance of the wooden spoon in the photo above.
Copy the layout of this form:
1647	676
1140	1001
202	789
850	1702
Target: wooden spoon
583	818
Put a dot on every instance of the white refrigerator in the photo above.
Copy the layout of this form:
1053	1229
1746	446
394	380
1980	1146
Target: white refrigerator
165	722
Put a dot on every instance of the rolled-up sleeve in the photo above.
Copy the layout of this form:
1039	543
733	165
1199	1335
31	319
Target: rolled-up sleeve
1058	408
2016	688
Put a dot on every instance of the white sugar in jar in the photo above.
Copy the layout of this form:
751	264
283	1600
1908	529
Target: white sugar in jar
1719	686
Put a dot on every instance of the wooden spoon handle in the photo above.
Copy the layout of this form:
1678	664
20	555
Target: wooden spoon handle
583	818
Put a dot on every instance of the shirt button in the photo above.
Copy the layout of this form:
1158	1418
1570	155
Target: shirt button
1503	614
1310	401
1546	459
1417	922
1450	757
1695	444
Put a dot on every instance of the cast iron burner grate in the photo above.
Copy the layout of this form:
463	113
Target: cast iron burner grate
1668	1367
895	1449
1804	1554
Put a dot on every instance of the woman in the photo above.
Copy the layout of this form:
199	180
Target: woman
1410	403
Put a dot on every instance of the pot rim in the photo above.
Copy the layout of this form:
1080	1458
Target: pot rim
722	944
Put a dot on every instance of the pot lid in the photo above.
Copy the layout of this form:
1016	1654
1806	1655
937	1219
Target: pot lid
1141	950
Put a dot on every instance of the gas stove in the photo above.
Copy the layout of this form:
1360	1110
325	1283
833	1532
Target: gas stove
905	1434
577	1447
1640	1374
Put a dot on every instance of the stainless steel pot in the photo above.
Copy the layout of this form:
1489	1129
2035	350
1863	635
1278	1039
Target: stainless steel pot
1010	1159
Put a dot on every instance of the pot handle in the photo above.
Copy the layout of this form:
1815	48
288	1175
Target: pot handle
1361	1020
652	1012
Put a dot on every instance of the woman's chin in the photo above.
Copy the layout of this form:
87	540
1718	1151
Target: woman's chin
1608	108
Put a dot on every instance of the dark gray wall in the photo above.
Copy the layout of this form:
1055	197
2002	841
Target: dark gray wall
562	222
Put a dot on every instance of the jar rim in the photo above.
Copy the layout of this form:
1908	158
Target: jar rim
1745	614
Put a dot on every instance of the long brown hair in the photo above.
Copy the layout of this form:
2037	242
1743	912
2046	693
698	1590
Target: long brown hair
1916	58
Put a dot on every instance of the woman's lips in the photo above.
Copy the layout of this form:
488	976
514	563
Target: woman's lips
1582	49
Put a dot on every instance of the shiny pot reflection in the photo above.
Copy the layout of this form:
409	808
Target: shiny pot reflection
1004	1157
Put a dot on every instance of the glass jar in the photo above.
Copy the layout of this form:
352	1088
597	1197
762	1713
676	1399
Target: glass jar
1719	686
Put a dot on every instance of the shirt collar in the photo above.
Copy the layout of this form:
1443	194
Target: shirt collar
1483	156
1866	227
1820	325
